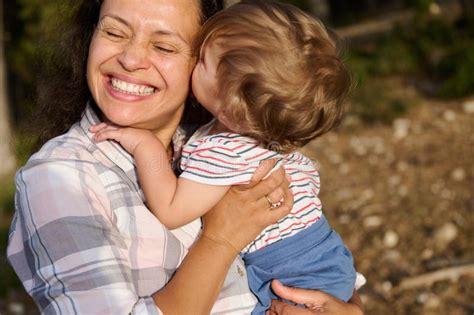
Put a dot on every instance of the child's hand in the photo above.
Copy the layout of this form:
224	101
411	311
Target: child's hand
129	138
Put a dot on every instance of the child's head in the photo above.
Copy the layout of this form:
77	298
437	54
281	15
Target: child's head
271	72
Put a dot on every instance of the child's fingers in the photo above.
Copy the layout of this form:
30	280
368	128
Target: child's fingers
96	128
108	134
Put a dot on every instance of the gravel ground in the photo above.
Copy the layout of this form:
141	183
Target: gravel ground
402	198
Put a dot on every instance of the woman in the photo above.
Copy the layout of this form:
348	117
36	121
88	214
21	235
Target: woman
82	240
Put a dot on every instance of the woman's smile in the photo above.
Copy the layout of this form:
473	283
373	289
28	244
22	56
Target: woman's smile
130	88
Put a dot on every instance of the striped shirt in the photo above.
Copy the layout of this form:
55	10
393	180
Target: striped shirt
231	159
82	240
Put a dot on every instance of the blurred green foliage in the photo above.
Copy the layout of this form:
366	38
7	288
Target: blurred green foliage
8	278
435	55
29	24
23	144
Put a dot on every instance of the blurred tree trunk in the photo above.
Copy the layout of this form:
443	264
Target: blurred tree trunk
468	8
7	160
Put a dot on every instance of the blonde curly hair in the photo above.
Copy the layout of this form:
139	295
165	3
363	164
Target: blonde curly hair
279	75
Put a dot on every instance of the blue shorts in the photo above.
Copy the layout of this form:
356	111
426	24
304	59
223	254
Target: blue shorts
315	258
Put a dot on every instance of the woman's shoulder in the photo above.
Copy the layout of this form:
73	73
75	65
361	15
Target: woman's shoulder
72	145
61	159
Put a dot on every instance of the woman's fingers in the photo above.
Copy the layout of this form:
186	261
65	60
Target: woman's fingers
316	302
282	308
269	184
297	295
263	169
276	197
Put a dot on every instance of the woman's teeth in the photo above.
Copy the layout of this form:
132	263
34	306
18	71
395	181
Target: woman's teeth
130	88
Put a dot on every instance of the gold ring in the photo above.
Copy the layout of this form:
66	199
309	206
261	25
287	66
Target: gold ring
274	205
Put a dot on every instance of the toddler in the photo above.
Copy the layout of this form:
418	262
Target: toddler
271	76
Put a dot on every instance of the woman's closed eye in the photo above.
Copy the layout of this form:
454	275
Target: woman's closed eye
113	34
163	48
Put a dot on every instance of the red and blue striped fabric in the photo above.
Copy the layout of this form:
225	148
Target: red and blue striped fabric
231	159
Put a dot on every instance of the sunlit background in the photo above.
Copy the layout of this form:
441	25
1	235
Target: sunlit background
397	176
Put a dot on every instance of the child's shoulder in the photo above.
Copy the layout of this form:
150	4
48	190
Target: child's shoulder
229	143
223	139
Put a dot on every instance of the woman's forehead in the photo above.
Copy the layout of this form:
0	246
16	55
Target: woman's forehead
179	17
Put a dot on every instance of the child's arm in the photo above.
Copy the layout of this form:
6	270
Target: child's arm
174	201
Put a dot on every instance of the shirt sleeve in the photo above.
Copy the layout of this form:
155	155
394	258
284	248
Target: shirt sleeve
65	248
216	163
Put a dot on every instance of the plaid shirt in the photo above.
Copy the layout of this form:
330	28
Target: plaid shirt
82	240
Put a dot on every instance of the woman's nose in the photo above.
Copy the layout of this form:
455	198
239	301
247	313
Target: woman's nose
134	57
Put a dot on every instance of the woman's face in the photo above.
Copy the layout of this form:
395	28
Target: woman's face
140	61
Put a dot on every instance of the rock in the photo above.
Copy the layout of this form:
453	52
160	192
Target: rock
447	194
335	158
403	191
468	107
344	219
392	255
437	187
373	221
422	298
401	126
358	146
402	166
433	302
390	239
449	115
427	254
394	180
367	194
458	174
446	234
428	300
387	286
344	169
16	308
344	194
379	145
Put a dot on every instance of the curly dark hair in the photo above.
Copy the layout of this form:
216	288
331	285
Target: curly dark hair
63	92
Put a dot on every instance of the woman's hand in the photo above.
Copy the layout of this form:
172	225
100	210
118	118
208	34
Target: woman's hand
228	227
245	210
316	302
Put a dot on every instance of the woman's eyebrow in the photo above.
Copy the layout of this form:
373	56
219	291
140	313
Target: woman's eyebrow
170	33
117	18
